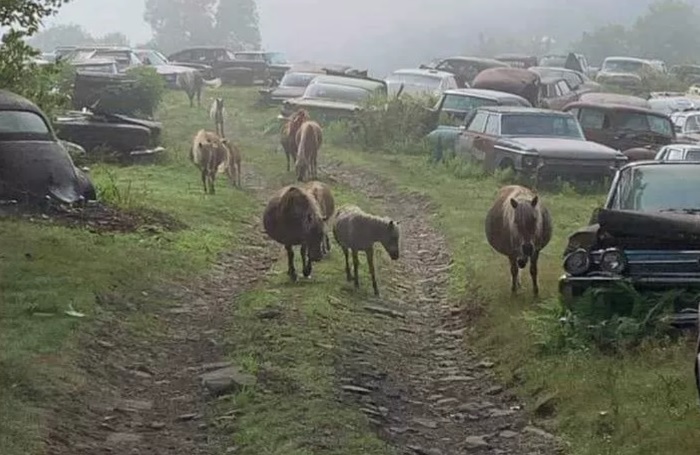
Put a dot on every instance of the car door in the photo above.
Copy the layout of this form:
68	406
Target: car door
472	139
488	140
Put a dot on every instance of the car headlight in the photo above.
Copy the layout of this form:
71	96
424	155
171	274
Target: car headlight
577	262
530	161
613	261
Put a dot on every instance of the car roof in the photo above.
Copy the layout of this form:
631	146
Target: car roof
631	59
476	59
614	107
522	110
688	113
12	101
366	84
483	93
197	48
423	72
650	163
683	146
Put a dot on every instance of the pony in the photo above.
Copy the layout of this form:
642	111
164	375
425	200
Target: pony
356	231
322	193
519	226
289	134
309	141
293	217
217	112
208	153
232	164
192	83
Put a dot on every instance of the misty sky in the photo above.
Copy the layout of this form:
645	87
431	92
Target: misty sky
379	33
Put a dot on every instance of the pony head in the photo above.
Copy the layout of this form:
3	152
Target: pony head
525	218
390	239
219	103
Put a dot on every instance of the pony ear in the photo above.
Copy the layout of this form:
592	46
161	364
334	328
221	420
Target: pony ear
534	201
514	203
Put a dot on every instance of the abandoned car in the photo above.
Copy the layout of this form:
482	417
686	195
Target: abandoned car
536	143
627	72
646	234
688	74
329	97
679	152
465	69
96	65
165	69
614	98
295	80
687	125
518	60
517	81
670	102
261	65
639	133
420	82
556	93
34	164
572	61
124	57
221	60
578	81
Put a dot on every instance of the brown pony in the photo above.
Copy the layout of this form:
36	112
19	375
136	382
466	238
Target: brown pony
519	226
289	134
309	141
293	217
232	165
322	193
357	231
208	153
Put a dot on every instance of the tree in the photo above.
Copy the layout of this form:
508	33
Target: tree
181	23
60	35
237	23
603	42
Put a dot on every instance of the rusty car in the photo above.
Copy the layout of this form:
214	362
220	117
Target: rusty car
638	132
556	93
645	235
534	142
579	82
465	69
614	98
34	164
517	81
627	72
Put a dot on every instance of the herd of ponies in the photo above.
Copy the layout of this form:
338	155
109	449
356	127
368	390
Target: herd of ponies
518	225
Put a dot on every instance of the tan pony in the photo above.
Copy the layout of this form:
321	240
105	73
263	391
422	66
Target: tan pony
232	164
208	153
519	226
292	217
323	195
309	141
289	135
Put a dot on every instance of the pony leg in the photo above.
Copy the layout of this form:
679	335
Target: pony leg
204	180
291	271
533	272
305	262
355	266
348	277
370	263
328	243
212	177
288	158
514	269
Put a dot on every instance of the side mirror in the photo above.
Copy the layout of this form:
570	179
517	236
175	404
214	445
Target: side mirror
594	215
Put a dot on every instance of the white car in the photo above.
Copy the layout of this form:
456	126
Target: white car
420	82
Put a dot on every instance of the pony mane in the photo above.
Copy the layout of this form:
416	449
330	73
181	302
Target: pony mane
522	195
296	120
294	196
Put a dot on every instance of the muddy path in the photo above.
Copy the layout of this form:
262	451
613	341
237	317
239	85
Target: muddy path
146	395
416	381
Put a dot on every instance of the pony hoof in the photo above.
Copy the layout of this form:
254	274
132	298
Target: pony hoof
293	277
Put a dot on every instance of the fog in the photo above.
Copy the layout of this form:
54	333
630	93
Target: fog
382	34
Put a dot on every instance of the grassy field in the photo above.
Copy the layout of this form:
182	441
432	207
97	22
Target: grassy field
640	402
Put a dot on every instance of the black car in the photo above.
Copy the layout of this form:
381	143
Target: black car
33	163
646	235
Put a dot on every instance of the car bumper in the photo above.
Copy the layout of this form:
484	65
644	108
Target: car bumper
572	170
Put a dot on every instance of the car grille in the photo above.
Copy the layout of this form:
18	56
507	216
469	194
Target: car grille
576	167
663	263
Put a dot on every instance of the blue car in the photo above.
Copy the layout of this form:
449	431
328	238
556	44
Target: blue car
647	234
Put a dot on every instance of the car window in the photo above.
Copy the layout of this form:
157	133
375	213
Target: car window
674	154
563	88
660	125
465	103
661	187
22	123
692	124
478	123
592	118
693	155
492	125
541	125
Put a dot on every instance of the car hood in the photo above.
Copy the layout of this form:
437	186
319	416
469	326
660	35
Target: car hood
324	104
172	69
287	92
563	148
37	169
618	75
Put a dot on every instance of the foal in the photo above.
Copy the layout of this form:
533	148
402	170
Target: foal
519	226
217	112
288	135
357	231
208	153
309	141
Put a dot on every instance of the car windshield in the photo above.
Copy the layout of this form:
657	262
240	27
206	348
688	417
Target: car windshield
643	122
659	187
153	58
415	83
625	66
335	92
22	122
276	58
540	125
466	103
249	57
557	61
296	79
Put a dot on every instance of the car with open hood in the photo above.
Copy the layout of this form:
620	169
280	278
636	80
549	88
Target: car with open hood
34	164
646	235
465	69
420	82
532	142
636	131
328	98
